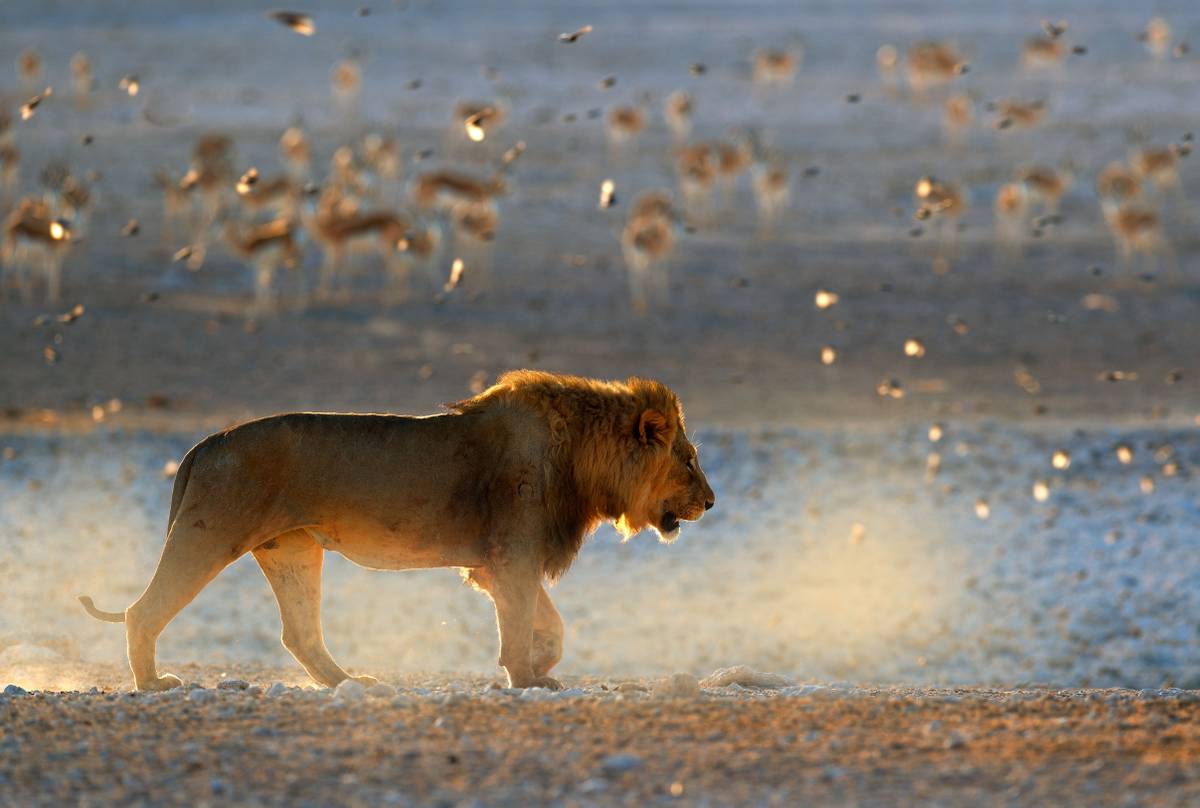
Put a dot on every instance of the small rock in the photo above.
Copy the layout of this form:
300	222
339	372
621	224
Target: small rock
401	701
15	690
201	696
349	690
276	690
619	764
813	691
381	691
232	684
745	676
630	687
593	785
681	685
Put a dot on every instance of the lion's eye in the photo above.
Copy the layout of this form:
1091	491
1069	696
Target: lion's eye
691	466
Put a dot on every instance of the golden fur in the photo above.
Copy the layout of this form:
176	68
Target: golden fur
506	486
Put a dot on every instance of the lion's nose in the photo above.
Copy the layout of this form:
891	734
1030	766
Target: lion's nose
708	505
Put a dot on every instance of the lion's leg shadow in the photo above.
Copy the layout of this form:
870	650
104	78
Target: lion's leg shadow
547	634
292	565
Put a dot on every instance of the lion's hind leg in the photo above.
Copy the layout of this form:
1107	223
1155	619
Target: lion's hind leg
292	564
189	560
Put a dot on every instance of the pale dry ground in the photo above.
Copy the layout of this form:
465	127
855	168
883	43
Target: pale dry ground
603	742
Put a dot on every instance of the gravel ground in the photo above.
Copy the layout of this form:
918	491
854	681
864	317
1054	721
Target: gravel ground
241	737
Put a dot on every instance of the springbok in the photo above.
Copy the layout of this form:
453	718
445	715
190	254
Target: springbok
346	82
772	193
775	67
82	80
646	243
340	232
35	239
1045	186
678	110
293	146
265	247
943	205
932	64
696	168
1011	210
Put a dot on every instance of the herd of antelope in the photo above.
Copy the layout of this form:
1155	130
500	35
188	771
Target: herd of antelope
1130	193
362	201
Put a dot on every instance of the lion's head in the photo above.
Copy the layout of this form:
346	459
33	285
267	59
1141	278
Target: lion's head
619	452
669	486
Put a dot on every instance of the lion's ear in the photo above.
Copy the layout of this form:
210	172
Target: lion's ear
654	428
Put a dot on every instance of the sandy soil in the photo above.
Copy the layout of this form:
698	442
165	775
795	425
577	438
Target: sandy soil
415	741
840	551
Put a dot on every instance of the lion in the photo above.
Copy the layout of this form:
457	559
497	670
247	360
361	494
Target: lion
505	486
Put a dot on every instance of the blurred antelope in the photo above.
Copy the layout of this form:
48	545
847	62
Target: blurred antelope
696	168
772	193
678	110
1118	182
1011	113
1012	212
266	247
623	125
444	190
1043	52
10	166
35	239
1159	166
1137	230
82	81
646	244
211	176
932	64
1157	36
297	157
1045	186
775	68
382	156
957	116
29	69
278	196
346	82
887	63
177	206
733	160
943	205
340	232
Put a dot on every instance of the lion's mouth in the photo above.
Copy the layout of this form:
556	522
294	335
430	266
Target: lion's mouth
668	526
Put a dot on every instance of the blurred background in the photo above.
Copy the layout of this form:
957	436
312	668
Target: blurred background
924	276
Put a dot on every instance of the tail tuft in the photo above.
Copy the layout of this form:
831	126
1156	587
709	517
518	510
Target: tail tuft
109	617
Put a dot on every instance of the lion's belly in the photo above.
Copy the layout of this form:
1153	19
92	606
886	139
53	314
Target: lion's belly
377	547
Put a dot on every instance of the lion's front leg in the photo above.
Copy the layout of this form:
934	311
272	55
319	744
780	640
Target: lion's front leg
513	588
547	634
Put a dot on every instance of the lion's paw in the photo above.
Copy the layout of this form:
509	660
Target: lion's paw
548	682
366	681
167	681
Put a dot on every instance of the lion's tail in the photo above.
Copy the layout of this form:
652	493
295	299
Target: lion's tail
181	479
110	617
